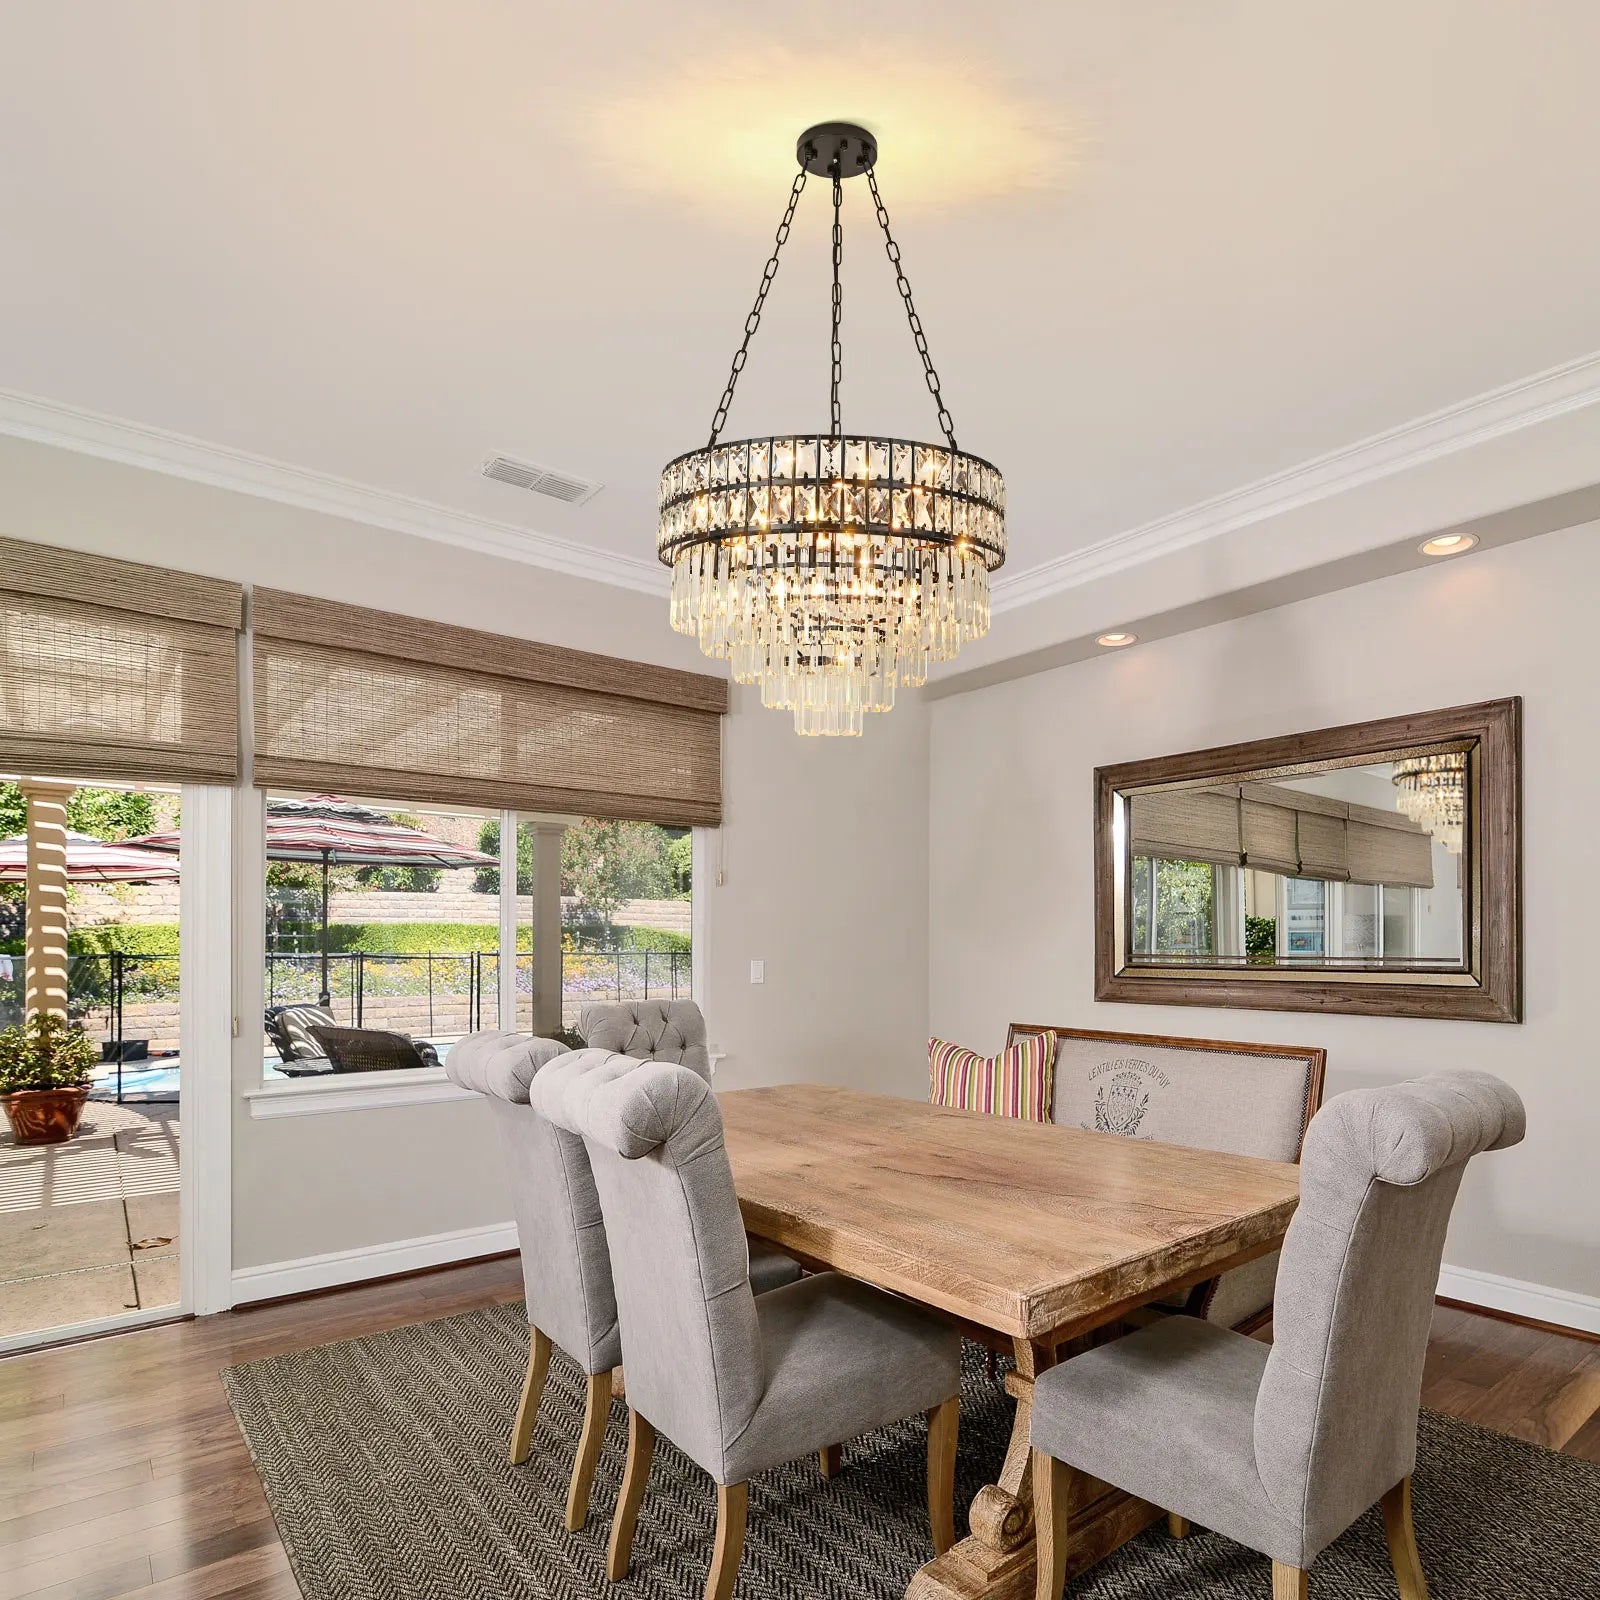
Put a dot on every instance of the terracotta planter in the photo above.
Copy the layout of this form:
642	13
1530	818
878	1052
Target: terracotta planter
45	1116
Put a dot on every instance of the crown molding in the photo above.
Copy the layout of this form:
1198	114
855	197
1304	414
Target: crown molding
1513	407
158	450
1519	405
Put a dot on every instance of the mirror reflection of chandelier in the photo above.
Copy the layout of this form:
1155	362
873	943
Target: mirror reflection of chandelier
1433	793
832	567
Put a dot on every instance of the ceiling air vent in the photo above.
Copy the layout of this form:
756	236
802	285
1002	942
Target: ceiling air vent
541	480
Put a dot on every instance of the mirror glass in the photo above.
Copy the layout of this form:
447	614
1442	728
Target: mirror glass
1357	867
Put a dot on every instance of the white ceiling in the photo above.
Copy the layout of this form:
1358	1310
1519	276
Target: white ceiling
1161	248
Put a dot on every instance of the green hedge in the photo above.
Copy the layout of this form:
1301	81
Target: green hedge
372	938
631	938
134	939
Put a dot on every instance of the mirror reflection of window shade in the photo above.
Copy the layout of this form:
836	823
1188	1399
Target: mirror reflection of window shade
1388	850
1186	825
1322	847
1269	838
1272	828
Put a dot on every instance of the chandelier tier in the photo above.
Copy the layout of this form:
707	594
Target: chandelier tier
1433	793
832	567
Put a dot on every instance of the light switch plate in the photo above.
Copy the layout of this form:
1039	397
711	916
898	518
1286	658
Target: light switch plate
758	972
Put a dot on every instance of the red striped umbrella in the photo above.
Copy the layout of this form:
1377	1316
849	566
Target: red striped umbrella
91	860
340	833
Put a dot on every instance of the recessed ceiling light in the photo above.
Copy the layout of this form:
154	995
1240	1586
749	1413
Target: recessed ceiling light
1448	544
1115	641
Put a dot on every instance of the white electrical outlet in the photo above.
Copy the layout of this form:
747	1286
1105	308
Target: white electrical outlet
758	972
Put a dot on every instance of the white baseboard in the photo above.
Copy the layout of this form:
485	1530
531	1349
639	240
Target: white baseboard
1562	1307
370	1261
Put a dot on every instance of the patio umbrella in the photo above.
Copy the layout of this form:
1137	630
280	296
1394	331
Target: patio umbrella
340	833
91	860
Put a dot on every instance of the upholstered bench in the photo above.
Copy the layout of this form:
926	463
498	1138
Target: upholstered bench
1209	1094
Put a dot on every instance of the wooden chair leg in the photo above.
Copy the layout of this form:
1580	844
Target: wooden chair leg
1178	1527
596	1414
732	1503
1051	1481
1402	1536
641	1451
944	1424
532	1392
1289	1583
830	1460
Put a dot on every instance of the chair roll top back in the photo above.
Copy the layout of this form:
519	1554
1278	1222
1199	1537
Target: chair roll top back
1336	1414
649	1030
566	1267
691	1340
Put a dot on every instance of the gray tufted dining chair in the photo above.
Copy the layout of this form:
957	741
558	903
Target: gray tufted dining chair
740	1384
1281	1447
650	1030
566	1264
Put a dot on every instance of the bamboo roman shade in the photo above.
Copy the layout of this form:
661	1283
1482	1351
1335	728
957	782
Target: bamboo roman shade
111	669
1271	842
1384	848
1322	846
371	703
1187	825
1272	828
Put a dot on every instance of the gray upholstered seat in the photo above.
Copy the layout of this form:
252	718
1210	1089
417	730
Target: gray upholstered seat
1282	1447
738	1383
566	1265
651	1030
674	1030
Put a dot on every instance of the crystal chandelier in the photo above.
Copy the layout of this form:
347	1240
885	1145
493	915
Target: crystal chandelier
831	567
1433	793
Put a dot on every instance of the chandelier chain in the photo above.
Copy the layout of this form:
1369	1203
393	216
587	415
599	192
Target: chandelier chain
753	321
903	284
838	307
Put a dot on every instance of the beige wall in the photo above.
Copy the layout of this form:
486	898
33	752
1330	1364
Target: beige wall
1010	864
825	847
824	856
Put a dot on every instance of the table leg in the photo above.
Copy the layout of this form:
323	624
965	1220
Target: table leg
995	1561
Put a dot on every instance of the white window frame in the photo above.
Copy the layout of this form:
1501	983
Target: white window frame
304	1097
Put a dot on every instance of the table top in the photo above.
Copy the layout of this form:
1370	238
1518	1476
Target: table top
1021	1227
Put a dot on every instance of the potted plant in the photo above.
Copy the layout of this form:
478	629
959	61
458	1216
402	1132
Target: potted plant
46	1067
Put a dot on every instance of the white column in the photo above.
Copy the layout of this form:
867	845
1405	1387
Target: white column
45	935
546	925
209	1025
508	922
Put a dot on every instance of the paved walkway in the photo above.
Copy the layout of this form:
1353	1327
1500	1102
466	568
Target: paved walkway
89	1228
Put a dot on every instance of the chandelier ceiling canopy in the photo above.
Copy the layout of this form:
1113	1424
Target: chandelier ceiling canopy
831	567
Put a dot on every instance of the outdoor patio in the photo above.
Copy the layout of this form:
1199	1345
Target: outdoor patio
89	1228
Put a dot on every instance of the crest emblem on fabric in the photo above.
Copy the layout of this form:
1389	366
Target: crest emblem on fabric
1123	1096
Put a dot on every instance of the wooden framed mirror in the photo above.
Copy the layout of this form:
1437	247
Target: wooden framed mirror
1374	868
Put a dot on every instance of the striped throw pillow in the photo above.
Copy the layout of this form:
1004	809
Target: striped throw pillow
1015	1083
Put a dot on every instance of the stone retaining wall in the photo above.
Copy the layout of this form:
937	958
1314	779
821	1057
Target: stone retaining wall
450	902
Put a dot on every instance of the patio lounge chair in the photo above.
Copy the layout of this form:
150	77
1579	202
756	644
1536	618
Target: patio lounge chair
373	1049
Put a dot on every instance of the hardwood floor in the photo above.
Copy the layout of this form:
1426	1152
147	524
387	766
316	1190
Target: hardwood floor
122	1472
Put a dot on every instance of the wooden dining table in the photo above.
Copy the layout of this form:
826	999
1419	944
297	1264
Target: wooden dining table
1040	1234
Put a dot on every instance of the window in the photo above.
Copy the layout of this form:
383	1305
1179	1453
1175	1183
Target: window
1399	921
1305	917
391	925
90	1229
380	919
1175	907
627	896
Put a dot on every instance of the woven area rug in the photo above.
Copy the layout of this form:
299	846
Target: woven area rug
384	1463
